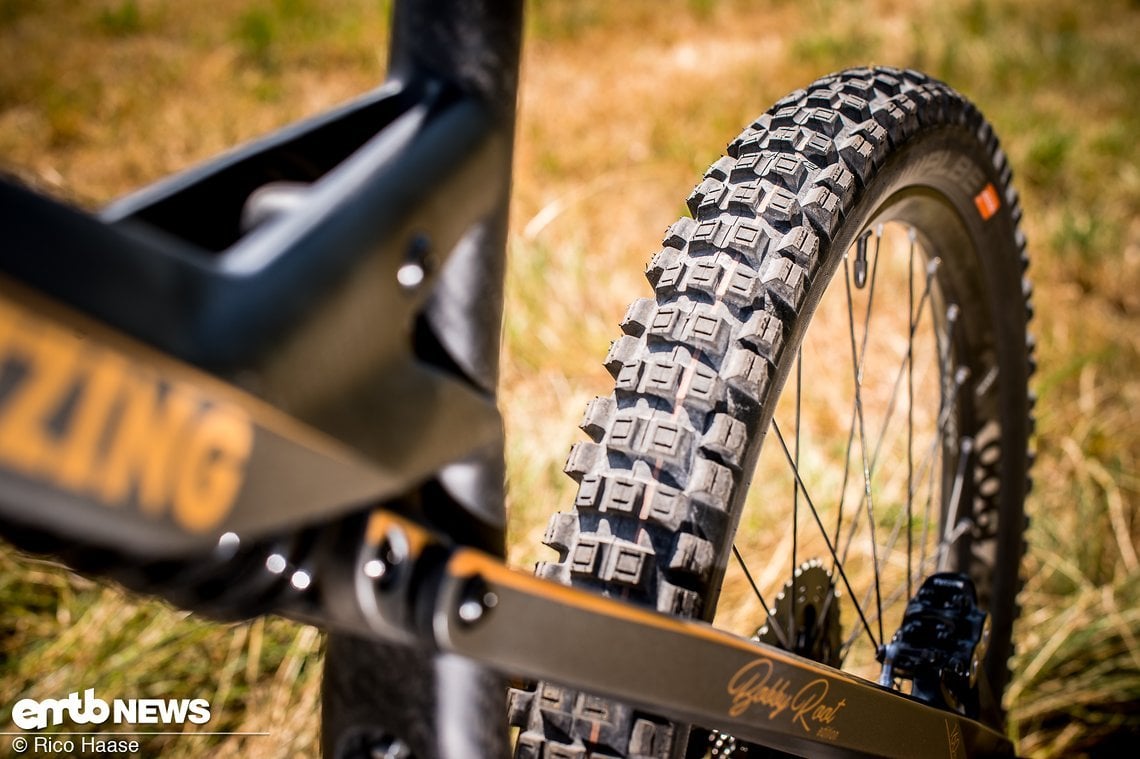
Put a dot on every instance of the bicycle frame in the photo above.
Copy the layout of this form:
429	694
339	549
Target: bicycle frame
124	339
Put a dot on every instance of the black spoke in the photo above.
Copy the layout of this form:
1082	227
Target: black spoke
894	597
916	470
846	476
925	466
927	513
950	536
857	368
796	493
921	457
760	596
950	531
909	412
931	269
958	379
823	531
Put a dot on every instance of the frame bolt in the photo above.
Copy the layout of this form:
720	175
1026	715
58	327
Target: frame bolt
414	270
477	601
375	569
390	749
382	563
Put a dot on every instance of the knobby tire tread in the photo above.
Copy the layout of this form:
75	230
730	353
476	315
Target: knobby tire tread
670	449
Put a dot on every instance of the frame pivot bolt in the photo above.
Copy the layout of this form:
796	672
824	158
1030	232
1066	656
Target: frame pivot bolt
382	562
374	569
477	601
414	270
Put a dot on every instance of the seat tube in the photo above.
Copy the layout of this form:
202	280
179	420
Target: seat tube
474	46
374	694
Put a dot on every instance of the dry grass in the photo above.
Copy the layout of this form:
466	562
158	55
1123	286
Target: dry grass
623	105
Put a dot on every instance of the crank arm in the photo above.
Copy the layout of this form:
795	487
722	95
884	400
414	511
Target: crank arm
686	670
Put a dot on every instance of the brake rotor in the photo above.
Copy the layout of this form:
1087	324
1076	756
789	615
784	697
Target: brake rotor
806	611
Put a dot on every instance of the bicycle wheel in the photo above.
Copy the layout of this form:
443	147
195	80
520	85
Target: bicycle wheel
838	337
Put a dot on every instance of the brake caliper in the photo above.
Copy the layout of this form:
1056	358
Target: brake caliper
941	645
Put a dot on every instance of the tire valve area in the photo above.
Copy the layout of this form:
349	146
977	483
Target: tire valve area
860	268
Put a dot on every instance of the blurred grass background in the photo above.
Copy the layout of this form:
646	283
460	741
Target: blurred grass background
623	105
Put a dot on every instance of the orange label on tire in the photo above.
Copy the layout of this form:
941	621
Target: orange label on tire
987	202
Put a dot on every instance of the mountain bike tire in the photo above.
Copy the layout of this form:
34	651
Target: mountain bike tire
701	365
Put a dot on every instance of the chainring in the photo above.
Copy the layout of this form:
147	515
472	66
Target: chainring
806	612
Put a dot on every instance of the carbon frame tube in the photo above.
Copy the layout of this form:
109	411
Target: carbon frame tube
378	695
472	604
